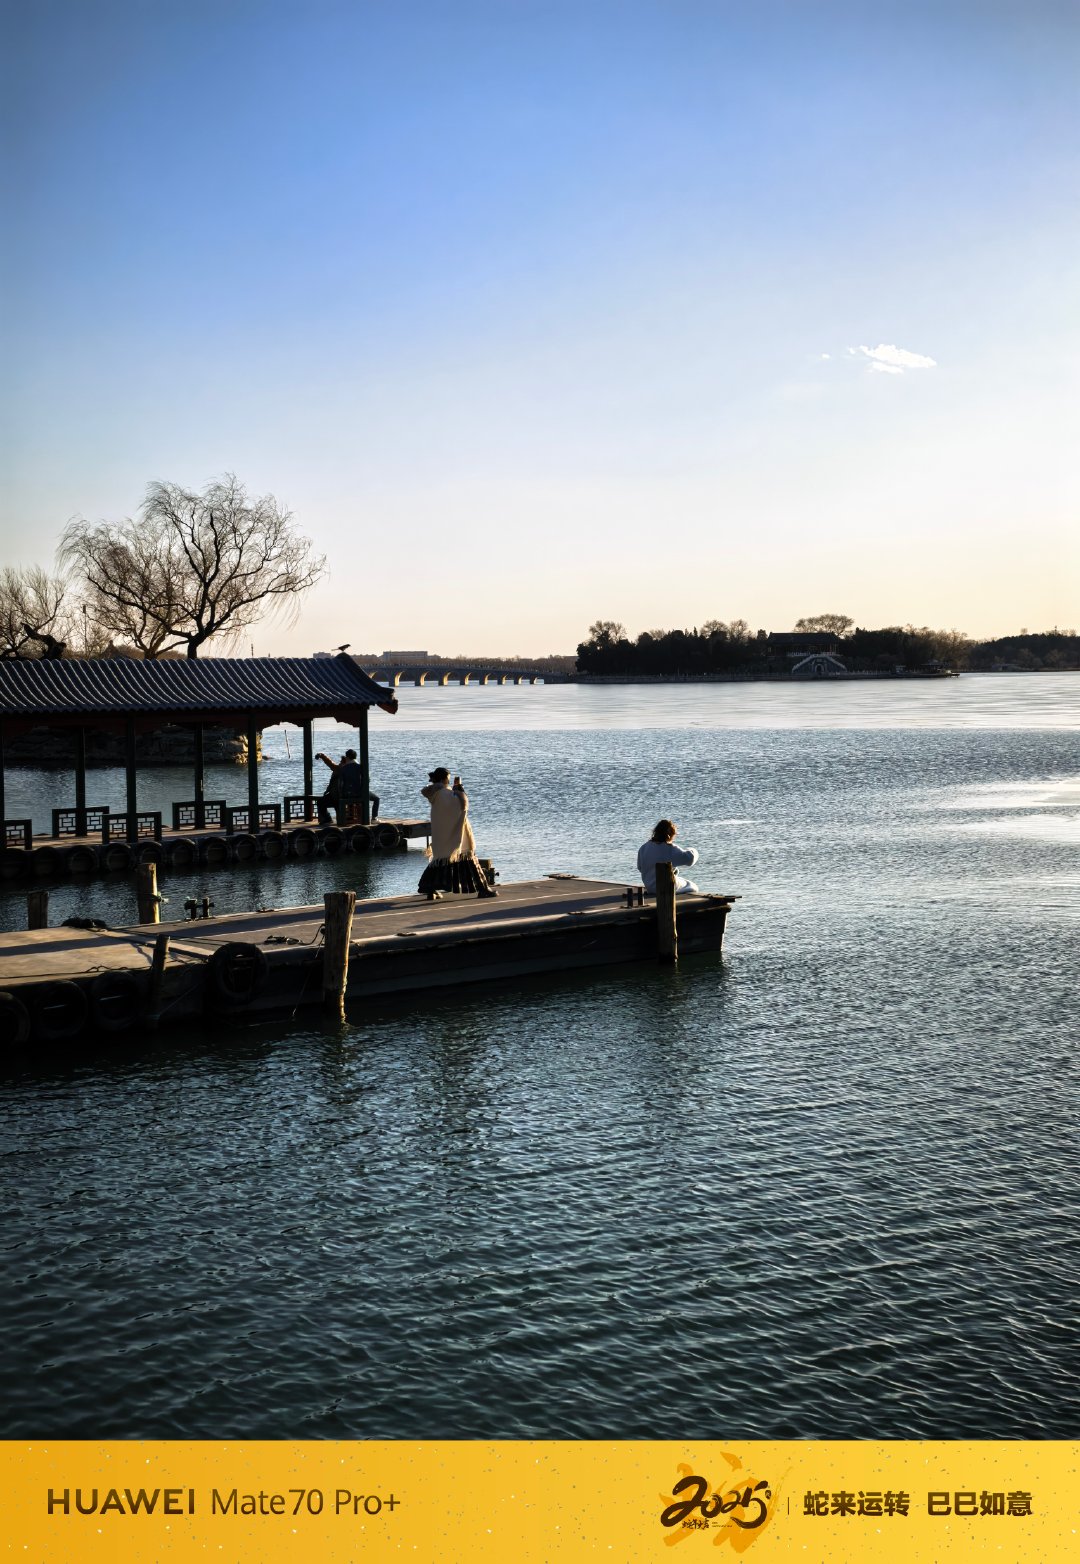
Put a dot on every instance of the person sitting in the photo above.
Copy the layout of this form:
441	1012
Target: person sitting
344	790
660	848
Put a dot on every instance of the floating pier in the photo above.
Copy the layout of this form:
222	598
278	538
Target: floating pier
60	985
49	858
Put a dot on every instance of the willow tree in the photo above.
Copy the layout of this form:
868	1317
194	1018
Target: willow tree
192	567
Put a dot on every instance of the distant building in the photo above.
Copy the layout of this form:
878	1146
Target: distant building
404	657
800	643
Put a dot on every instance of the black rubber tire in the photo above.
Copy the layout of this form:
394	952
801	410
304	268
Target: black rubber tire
183	854
387	836
303	842
150	852
14	861
115	1001
14	1022
244	847
213	850
360	839
332	840
59	1011
117	857
83	860
236	973
274	846
45	862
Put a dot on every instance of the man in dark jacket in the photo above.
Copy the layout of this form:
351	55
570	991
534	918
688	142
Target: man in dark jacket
345	788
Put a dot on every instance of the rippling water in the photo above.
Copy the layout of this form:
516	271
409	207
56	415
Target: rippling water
826	1187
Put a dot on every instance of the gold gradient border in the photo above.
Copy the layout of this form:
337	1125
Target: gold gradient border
530	1502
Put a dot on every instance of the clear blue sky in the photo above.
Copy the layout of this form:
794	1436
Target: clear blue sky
567	306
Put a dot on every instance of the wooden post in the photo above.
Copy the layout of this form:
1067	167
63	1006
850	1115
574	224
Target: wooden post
309	767
146	891
200	778
337	935
157	979
131	777
365	770
80	781
667	939
253	773
37	909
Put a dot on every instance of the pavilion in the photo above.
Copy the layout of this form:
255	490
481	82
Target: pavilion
133	696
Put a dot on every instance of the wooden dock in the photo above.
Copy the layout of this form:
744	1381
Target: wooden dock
58	984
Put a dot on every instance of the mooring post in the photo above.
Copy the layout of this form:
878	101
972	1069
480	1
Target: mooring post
157	979
146	891
37	909
667	939
337	935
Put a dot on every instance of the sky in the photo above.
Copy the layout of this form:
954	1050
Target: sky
537	313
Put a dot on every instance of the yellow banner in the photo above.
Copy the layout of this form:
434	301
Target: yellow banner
533	1503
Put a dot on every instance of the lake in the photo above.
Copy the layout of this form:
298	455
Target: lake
826	1186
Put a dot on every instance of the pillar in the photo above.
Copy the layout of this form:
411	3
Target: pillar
131	779
200	776
309	762
80	780
253	773
365	770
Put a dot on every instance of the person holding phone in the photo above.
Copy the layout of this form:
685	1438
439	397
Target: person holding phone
453	865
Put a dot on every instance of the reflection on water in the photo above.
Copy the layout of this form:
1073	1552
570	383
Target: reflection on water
824	1187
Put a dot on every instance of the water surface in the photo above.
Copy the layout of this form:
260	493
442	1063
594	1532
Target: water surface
823	1187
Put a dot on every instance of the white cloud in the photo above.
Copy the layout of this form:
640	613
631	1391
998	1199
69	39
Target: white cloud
892	360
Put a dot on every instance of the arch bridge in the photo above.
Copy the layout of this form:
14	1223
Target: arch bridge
462	673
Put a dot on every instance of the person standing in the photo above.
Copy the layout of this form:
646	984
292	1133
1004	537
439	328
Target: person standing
453	865
660	848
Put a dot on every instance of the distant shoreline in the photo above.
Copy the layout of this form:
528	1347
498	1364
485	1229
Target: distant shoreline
762	678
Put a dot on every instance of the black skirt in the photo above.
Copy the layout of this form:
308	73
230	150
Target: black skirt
461	876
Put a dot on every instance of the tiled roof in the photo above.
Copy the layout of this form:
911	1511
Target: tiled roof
202	686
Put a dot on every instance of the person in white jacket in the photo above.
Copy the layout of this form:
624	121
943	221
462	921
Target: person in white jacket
660	848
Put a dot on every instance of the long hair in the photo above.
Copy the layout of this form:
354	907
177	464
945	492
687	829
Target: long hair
663	831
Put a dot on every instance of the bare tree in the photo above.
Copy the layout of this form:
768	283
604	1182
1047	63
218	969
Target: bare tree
736	630
193	567
825	624
35	617
605	632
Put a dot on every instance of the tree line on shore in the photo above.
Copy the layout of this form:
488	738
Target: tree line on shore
191	568
731	647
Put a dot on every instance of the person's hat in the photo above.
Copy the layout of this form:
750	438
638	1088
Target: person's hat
440	774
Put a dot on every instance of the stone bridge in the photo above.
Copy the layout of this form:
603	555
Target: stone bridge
461	673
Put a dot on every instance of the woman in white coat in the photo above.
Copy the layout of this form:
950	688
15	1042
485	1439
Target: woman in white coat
453	865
